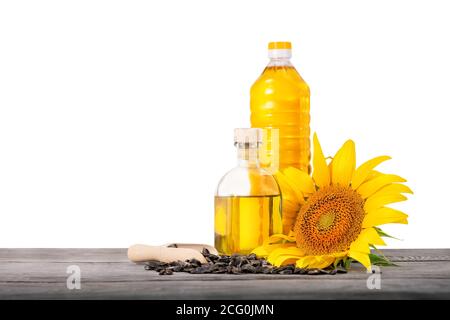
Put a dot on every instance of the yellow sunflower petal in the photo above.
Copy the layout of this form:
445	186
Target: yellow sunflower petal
343	164
382	216
371	236
266	250
261	251
403	221
393	188
286	189
278	237
370	187
290	206
374	203
305	261
283	260
290	250
280	255
288	224
365	169
322	262
292	184
321	174
339	254
271	244
315	261
360	245
372	174
301	179
361	257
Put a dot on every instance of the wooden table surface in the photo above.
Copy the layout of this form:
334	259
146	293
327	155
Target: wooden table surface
107	274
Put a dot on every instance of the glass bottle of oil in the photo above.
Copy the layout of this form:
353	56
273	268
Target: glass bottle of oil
247	201
279	98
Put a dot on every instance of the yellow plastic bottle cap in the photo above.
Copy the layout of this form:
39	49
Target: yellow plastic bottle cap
280	50
280	45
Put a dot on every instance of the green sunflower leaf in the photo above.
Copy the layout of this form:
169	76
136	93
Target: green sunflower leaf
347	262
381	261
336	263
381	233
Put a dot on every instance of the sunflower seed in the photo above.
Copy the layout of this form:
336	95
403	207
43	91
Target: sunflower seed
220	270
341	270
287	271
252	256
313	272
255	263
289	267
333	272
274	271
248	269
198	270
153	264
165	272
232	270
234	261
243	262
225	259
232	264
266	270
194	262
300	271
176	268
213	257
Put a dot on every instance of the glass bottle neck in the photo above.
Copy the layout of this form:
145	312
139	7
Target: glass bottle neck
248	157
279	62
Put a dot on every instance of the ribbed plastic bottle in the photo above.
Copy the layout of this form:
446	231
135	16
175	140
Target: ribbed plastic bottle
280	99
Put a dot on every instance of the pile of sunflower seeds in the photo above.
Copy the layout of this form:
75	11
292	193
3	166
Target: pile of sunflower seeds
234	264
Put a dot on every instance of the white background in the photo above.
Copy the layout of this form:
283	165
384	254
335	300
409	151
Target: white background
117	117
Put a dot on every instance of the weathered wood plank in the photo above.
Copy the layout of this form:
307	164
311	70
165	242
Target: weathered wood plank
120	255
113	272
64	255
261	289
417	255
106	273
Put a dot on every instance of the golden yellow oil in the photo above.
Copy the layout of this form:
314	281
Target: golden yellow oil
243	223
279	98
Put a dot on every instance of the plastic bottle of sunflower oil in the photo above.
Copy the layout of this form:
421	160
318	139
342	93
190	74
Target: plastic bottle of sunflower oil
280	99
247	202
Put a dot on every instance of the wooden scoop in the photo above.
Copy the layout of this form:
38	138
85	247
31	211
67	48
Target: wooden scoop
195	246
168	253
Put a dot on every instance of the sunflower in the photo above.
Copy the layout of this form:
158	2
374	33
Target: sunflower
337	211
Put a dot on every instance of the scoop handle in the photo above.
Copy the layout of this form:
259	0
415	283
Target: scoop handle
142	253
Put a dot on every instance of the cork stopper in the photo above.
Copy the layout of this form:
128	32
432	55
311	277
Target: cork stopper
248	137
